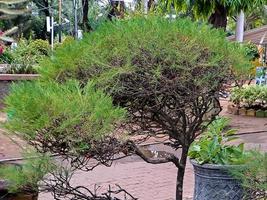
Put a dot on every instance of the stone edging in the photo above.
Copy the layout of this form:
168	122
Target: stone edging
231	109
17	77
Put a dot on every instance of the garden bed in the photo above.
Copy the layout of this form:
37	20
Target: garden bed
251	112
249	101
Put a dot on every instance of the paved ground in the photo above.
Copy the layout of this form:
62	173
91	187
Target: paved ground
146	181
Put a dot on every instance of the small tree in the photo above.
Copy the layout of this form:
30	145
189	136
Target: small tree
165	74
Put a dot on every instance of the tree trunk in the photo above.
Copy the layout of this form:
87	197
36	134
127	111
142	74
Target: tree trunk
85	22
117	9
218	19
180	174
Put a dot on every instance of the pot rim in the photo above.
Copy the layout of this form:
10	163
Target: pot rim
213	166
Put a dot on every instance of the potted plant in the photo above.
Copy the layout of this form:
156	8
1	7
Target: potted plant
21	181
250	100
213	159
162	89
253	176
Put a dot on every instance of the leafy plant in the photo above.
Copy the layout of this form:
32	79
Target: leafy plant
6	57
249	95
253	175
212	147
27	55
25	177
251	51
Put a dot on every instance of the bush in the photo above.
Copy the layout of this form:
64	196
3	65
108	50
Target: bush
253	176
6	57
249	95
27	55
40	46
212	147
251	51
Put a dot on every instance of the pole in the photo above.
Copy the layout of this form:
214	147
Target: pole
75	20
52	25
59	20
240	22
52	33
145	6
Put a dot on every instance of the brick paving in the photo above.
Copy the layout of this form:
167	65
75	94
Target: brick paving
147	181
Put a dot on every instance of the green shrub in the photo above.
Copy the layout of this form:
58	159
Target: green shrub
249	95
62	113
212	147
253	176
251	51
25	177
27	55
41	46
6	57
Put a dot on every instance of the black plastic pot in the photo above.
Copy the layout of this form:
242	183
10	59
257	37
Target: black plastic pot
214	182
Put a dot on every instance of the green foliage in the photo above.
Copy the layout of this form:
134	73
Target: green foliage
249	95
41	46
212	147
27	56
157	43
253	175
251	51
63	112
204	8
25	177
6	57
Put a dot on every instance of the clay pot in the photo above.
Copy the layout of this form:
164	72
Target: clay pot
251	112
242	111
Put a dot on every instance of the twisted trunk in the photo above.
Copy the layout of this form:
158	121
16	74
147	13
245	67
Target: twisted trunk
180	174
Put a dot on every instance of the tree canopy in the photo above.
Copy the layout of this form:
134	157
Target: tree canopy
216	10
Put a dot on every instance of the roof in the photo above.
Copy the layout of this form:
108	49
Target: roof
253	35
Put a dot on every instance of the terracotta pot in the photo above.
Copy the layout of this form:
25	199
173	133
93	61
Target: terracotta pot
251	112
242	111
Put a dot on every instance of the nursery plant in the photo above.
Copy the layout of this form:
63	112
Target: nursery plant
213	146
215	158
23	179
253	176
249	96
26	57
162	75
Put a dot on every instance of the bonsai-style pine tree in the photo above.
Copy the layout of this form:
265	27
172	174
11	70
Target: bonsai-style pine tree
162	75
